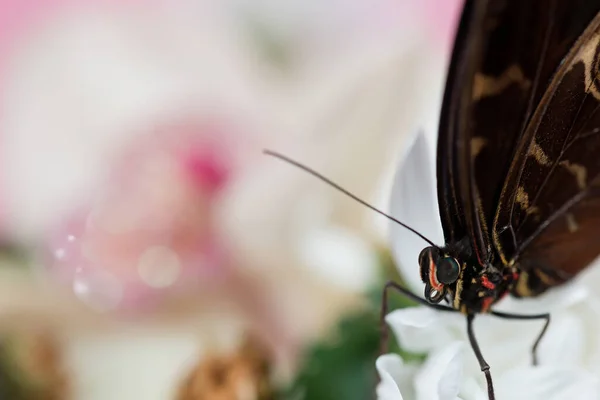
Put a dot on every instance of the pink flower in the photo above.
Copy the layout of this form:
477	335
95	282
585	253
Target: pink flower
149	228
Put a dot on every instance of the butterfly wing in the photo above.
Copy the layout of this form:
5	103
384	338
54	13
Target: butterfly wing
454	218
548	219
505	54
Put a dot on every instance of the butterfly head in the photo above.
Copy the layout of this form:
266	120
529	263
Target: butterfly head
470	290
439	272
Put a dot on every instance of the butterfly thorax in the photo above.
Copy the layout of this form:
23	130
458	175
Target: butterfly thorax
451	273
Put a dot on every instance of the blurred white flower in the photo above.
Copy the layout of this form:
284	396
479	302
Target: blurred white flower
569	353
112	365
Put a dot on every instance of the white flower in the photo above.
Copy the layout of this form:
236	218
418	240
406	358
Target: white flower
569	353
437	379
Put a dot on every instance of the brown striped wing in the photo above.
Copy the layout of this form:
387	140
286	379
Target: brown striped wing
548	219
505	54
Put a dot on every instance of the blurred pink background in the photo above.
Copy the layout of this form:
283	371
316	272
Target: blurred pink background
130	138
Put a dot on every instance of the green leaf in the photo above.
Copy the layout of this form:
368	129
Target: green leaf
11	382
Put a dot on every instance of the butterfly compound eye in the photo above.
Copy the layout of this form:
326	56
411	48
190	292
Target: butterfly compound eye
447	270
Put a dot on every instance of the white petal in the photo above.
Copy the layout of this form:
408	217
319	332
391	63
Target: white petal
590	278
418	329
441	375
472	388
414	202
563	343
556	299
389	366
547	383
504	343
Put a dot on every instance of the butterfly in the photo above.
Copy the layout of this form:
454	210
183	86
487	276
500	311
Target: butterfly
518	160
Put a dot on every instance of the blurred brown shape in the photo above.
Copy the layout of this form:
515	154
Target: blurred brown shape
34	362
244	375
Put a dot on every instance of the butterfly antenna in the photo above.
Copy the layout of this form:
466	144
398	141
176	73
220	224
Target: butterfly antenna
341	189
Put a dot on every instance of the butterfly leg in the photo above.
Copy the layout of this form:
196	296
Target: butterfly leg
391	285
545	317
485	367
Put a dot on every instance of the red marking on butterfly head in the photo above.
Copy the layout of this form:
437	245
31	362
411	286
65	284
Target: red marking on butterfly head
487	283
433	281
427	266
428	259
